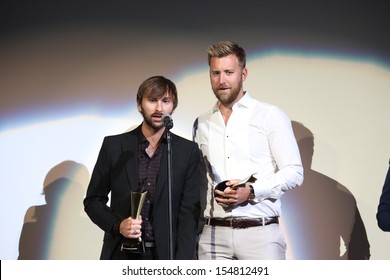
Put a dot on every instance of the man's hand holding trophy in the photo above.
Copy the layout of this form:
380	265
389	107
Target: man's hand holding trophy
131	227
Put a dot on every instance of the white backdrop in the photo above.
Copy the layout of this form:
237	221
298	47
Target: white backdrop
64	87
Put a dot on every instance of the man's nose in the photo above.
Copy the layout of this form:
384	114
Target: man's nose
222	79
159	106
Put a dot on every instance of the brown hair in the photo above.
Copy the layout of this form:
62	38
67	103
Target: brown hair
157	87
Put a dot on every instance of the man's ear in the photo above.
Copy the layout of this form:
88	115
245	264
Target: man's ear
244	74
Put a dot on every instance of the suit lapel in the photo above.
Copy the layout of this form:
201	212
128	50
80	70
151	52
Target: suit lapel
130	145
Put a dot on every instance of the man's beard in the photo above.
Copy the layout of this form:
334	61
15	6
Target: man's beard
148	120
227	98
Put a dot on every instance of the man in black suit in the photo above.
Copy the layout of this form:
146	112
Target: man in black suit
383	215
138	159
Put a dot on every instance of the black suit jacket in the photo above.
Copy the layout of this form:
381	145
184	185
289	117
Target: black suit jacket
383	214
115	175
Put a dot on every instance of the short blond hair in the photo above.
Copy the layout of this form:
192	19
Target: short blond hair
225	48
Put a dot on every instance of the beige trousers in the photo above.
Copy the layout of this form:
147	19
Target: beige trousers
253	243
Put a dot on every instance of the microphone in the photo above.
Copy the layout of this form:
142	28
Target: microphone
168	121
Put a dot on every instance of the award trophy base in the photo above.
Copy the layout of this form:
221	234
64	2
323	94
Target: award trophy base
133	246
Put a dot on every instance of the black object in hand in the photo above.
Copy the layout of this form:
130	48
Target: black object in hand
221	187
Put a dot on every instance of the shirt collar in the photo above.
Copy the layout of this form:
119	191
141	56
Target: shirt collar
245	101
141	137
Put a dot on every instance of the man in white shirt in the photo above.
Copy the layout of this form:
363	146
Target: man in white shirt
250	150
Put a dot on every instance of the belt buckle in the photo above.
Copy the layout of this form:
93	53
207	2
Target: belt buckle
236	223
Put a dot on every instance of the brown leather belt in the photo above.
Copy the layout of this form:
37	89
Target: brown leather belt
242	223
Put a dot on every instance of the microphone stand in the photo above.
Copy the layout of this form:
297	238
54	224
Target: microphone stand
170	216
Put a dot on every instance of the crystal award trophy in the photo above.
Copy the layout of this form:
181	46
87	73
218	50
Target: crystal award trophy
135	245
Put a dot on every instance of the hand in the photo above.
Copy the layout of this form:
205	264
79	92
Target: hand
131	228
234	194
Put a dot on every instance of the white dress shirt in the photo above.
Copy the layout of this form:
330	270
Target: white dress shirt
257	139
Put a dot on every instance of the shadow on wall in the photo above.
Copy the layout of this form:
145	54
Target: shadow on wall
321	217
60	230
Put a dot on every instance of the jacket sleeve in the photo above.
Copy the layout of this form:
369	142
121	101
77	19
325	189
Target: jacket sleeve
189	207
383	214
95	202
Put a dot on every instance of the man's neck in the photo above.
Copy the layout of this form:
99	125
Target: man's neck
151	134
227	109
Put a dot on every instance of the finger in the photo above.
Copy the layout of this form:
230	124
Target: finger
230	191
218	192
221	199
224	205
235	187
224	202
135	233
136	222
231	201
